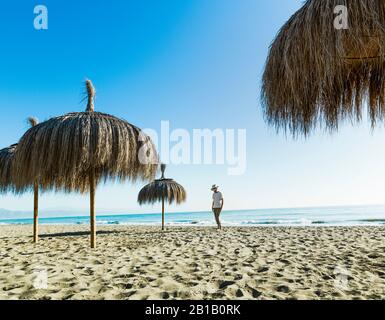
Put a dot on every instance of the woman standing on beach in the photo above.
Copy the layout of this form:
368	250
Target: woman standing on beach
217	205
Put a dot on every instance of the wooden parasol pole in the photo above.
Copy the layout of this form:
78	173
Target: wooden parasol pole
92	208
162	168
162	213
90	108
35	212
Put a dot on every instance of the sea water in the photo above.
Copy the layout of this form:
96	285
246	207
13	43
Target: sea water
326	216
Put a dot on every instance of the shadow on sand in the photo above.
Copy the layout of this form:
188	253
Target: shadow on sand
104	232
76	234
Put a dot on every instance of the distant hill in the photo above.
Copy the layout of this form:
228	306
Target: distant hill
7	214
55	213
27	214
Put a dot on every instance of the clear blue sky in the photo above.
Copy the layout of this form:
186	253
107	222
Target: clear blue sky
196	63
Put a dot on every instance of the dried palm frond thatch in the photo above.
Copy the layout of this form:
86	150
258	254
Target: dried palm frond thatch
62	151
76	151
162	190
33	121
6	157
317	74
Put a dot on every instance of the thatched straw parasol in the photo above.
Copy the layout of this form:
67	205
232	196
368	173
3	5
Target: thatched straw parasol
317	74
7	180
162	190
76	151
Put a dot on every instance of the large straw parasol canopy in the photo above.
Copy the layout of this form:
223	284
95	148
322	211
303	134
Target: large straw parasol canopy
6	157
320	73
62	151
162	190
76	151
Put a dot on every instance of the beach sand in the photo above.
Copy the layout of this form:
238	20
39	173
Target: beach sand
193	263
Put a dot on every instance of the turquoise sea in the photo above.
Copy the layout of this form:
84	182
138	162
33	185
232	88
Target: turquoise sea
335	216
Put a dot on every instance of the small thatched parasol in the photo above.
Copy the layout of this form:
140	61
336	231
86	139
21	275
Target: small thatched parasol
319	74
7	181
76	151
162	190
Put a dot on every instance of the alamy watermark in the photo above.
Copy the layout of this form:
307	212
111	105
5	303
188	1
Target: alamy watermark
40	21
40	278
341	21
198	147
341	278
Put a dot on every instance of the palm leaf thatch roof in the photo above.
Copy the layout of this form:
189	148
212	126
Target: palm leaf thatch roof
162	189
317	74
6	156
61	152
